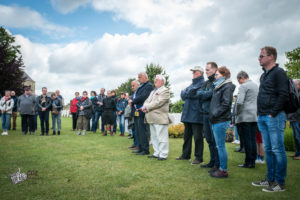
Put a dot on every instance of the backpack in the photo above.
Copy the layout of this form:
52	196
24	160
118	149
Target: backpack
293	103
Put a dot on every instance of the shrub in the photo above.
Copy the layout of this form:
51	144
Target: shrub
176	131
289	141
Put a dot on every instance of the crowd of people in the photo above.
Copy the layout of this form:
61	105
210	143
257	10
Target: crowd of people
257	114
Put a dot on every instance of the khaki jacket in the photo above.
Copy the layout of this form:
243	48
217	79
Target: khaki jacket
157	105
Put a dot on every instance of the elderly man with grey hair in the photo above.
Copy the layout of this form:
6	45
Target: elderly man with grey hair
156	108
246	117
294	119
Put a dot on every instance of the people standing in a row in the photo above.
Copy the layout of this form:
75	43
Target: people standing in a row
73	110
121	105
6	107
246	117
134	86
156	108
56	105
44	106
205	94
84	107
109	108
141	128
192	117
14	111
294	119
27	107
272	97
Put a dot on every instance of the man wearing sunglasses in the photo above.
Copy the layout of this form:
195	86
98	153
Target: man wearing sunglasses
272	96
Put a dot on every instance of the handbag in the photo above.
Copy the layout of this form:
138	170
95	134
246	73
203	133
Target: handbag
55	112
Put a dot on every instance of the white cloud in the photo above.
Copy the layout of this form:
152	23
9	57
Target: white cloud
24	17
183	34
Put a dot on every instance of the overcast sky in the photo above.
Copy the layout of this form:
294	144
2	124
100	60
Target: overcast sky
76	45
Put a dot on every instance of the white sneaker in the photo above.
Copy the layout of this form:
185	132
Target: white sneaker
4	133
257	161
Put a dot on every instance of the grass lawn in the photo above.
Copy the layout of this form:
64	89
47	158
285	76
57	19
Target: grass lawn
98	167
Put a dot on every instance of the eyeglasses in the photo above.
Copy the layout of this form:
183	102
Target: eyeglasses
261	56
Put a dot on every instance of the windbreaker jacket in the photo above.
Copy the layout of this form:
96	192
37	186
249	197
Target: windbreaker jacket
6	105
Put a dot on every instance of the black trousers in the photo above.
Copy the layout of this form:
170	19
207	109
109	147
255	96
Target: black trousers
210	139
248	130
191	129
74	120
27	122
142	133
241	136
44	118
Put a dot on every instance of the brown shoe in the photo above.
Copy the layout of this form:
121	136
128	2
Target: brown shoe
219	174
296	158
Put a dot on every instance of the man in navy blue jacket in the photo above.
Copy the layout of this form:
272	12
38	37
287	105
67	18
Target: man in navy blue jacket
141	128
192	117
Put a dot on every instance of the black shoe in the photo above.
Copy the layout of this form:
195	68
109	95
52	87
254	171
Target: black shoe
136	151
161	159
182	158
242	150
142	153
54	133
24	133
152	156
132	146
47	134
58	132
247	165
237	150
209	165
42	134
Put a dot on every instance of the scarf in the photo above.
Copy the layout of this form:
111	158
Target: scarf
219	81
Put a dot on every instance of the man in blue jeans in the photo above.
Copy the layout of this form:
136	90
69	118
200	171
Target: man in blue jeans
121	105
294	119
272	96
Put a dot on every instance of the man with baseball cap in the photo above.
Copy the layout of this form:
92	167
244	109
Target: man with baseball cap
192	117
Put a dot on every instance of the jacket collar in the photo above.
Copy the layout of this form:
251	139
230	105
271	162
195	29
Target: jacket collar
225	82
197	80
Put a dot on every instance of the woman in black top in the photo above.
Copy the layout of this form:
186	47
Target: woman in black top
109	107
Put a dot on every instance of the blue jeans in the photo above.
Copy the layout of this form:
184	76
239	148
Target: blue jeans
296	132
95	120
219	130
236	133
272	130
121	120
56	118
5	121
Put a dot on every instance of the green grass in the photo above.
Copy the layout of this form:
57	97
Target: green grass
97	167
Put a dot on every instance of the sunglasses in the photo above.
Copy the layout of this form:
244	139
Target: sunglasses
261	56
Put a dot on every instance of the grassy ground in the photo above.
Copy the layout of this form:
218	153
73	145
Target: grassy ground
97	167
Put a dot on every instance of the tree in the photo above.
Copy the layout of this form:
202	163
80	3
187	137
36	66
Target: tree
125	87
152	70
11	64
177	106
293	64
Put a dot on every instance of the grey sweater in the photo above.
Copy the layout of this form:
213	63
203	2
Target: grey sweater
246	103
27	104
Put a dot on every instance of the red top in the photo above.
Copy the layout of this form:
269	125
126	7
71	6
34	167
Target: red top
73	107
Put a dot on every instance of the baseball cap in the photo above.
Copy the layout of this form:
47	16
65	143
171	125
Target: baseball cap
197	68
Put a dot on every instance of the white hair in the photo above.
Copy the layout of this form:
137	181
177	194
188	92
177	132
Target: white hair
161	77
144	74
135	81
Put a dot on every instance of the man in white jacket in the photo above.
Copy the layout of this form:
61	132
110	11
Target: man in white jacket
6	106
156	108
